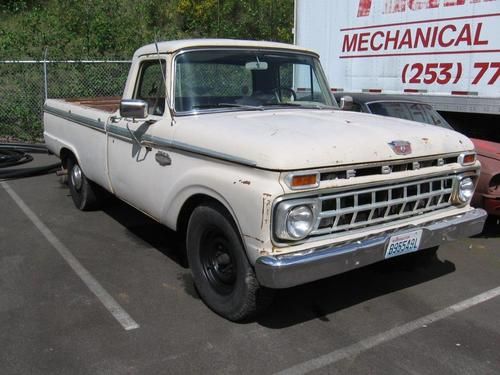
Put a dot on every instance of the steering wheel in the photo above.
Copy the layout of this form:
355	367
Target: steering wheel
281	97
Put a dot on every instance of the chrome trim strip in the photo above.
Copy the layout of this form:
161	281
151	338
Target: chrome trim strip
123	134
283	271
158	142
81	120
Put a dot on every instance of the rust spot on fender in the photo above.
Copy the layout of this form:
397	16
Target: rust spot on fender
245	182
254	238
266	209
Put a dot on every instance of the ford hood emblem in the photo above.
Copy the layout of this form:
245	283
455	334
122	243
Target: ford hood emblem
401	147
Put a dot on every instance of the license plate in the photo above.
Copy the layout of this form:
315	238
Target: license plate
403	243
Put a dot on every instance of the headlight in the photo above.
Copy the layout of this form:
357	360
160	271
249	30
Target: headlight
465	189
294	220
299	222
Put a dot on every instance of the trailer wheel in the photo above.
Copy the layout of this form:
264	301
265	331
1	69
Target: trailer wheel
222	274
85	193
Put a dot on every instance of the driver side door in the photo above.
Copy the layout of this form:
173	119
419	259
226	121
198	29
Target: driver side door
137	164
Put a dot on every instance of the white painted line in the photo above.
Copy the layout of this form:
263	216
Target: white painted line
370	342
106	299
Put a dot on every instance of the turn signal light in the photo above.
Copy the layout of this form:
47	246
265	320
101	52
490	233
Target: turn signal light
467	159
306	180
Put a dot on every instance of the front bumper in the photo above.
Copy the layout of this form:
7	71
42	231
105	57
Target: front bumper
283	271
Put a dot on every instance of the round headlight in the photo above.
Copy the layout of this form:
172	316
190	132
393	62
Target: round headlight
299	222
465	189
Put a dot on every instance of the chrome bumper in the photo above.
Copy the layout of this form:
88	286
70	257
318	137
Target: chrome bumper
283	271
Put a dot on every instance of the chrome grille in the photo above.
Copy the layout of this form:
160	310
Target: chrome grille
371	206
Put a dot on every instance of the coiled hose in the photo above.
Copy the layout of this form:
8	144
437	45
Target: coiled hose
13	154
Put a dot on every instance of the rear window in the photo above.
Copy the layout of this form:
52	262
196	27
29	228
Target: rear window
409	111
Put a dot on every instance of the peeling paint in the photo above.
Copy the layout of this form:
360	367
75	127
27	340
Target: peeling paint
254	238
266	209
245	182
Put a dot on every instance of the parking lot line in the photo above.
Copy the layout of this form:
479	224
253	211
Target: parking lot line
371	342
106	299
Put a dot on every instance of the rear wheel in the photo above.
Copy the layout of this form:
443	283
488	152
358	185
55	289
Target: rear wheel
86	195
222	274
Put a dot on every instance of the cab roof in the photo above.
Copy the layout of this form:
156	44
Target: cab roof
177	45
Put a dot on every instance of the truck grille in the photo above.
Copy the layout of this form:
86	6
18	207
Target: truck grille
371	206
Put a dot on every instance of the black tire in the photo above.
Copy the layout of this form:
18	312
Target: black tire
86	195
225	280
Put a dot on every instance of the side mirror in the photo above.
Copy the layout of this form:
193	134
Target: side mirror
133	108
346	103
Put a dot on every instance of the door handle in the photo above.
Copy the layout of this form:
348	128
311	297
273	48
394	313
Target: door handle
163	158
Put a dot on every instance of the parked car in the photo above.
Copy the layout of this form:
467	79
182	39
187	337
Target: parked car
487	193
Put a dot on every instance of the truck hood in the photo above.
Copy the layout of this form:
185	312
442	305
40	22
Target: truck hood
305	139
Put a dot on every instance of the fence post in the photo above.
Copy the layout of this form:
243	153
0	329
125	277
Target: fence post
45	73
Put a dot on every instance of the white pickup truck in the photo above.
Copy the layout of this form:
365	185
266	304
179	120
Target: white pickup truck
240	146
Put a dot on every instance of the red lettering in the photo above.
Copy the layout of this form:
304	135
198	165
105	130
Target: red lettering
364	8
395	6
477	35
349	45
362	41
406	40
389	39
452	3
422	4
464	36
399	6
419	36
441	42
434	35
372	41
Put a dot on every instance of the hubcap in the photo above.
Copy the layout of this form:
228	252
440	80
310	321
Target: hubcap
76	177
217	263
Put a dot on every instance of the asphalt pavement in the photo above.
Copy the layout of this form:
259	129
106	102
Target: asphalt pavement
392	318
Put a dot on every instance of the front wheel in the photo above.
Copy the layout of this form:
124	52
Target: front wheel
222	274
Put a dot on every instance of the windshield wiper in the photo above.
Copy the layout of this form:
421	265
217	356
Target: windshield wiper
246	106
301	105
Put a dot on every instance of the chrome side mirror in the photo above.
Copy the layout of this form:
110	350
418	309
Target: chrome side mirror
346	103
133	108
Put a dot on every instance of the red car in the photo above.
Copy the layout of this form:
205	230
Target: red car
487	193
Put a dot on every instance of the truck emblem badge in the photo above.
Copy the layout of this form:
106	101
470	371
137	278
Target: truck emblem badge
400	147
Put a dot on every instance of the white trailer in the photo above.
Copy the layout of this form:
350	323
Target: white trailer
445	51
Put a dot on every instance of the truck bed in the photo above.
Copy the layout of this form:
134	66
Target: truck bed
104	103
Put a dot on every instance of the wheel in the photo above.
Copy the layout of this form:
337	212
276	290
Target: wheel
221	272
86	195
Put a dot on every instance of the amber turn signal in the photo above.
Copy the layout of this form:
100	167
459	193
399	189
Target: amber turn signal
305	180
467	159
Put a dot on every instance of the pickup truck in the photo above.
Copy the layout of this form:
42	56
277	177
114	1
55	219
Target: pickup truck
241	148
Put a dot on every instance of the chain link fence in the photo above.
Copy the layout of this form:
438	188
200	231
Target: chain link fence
25	84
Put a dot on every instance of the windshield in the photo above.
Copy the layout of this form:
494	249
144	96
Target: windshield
248	80
409	111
